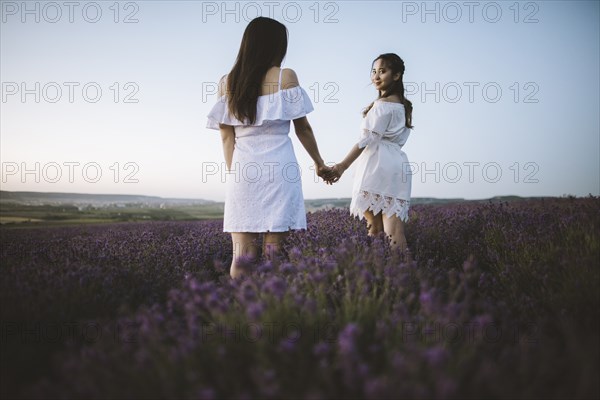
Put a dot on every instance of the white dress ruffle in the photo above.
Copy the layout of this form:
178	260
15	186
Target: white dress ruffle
286	104
263	186
383	179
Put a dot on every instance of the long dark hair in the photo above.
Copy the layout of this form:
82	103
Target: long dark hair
263	46
395	63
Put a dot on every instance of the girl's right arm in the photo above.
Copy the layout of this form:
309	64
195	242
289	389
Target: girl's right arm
341	167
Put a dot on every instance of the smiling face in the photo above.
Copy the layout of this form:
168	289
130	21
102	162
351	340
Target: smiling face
382	76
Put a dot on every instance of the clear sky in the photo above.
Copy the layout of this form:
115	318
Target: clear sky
505	94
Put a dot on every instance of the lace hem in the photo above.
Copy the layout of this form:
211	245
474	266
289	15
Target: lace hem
375	202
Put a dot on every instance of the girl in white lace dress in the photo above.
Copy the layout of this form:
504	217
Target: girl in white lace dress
382	182
257	101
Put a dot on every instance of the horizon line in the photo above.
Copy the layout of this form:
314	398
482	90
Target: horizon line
319	198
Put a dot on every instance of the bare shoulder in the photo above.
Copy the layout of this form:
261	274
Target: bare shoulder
222	89
289	79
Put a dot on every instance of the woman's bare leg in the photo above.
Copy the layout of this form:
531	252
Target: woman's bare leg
374	223
394	229
246	245
272	243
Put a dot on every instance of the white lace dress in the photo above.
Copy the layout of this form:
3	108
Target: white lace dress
382	181
263	186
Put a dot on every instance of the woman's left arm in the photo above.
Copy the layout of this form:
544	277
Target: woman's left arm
307	138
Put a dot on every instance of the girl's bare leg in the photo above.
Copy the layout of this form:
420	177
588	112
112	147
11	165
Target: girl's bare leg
272	243
245	244
394	229
374	223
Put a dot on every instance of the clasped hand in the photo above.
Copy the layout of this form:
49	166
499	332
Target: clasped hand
330	174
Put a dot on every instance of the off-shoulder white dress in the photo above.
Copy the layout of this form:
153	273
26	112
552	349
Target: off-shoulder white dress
382	181
264	186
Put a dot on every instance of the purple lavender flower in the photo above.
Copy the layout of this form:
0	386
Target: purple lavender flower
376	388
286	345
276	286
207	393
287	268
347	339
436	356
265	267
426	300
531	261
255	310
321	349
248	291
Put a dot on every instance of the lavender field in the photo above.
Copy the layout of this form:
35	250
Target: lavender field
500	301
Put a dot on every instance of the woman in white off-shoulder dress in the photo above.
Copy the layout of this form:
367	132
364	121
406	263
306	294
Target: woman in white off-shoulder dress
382	182
257	101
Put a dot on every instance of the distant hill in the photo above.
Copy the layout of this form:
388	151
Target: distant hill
319	204
112	200
97	200
23	209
